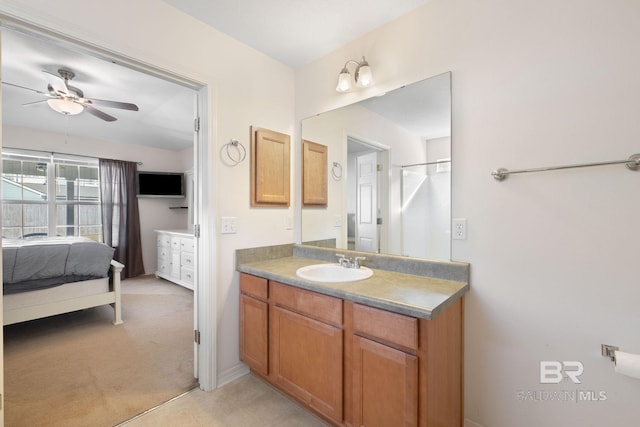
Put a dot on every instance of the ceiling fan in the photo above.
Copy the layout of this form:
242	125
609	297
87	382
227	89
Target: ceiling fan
69	100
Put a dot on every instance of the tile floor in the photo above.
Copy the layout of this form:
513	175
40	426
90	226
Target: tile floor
246	402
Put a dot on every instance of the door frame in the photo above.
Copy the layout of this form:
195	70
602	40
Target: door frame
204	200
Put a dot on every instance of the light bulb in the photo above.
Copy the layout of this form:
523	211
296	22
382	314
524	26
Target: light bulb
344	81
364	76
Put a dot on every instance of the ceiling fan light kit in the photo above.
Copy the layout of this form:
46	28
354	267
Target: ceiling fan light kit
363	75
69	100
65	106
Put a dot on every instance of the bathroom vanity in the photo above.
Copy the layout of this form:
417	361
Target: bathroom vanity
387	350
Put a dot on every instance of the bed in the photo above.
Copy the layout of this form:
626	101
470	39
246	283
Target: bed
53	275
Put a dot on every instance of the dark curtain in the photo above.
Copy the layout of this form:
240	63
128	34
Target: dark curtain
120	216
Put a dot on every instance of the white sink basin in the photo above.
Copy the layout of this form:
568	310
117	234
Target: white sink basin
333	273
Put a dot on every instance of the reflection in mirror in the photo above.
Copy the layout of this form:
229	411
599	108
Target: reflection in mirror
389	187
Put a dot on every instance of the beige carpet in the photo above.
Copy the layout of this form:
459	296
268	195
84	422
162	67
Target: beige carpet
78	369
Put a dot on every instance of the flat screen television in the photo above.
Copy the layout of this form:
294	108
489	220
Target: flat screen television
160	184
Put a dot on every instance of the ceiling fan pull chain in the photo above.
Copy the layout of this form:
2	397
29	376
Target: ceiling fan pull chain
66	128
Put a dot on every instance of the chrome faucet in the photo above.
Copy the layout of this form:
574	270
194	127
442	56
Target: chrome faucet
349	262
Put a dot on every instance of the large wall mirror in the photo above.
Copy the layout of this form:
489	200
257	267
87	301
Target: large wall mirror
389	179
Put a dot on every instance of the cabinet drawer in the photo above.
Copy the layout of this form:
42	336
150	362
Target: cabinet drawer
165	267
164	253
175	243
186	260
254	286
186	275
187	245
164	240
386	327
321	307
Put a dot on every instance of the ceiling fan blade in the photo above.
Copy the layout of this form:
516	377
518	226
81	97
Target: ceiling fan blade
29	104
57	83
111	104
28	88
101	115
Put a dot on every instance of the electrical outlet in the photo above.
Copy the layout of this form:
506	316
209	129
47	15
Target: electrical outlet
228	225
337	221
288	222
459	229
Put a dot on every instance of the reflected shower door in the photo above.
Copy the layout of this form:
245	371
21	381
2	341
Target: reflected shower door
426	210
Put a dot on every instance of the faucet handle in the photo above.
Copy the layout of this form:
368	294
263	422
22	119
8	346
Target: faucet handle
356	261
342	259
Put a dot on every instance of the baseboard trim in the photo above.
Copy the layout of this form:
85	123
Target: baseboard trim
469	423
232	373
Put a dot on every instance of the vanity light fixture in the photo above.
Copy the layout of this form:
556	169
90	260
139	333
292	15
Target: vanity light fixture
363	75
65	106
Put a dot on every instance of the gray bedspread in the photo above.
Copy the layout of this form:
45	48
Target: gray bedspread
43	263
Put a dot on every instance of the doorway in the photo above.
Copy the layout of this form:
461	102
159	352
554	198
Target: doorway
196	104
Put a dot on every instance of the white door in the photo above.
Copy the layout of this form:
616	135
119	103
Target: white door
367	202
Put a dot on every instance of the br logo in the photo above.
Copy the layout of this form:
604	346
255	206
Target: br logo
552	371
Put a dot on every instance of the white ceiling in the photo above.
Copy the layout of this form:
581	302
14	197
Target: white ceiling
166	110
294	32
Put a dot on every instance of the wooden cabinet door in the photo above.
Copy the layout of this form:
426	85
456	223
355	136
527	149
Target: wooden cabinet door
314	174
307	360
253	333
385	385
270	168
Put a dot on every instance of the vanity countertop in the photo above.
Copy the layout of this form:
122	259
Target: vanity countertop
412	295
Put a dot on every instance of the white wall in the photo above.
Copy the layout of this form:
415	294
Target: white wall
554	258
154	213
244	88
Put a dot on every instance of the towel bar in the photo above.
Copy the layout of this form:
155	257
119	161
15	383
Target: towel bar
632	163
609	351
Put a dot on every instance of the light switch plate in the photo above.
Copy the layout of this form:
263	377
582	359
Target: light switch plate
229	225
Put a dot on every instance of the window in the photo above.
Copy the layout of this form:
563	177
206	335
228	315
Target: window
51	194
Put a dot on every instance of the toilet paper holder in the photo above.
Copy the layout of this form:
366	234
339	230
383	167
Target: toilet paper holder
609	351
